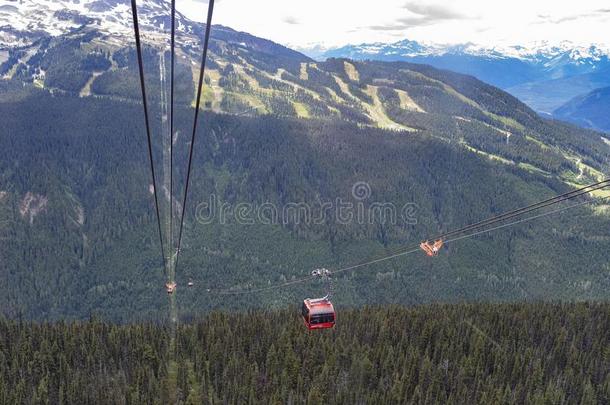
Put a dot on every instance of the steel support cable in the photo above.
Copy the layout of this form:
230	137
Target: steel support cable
204	55
171	126
533	207
511	214
526	219
136	29
416	248
522	210
410	251
476	233
258	290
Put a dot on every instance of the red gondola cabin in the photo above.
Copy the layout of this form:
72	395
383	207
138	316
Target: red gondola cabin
318	313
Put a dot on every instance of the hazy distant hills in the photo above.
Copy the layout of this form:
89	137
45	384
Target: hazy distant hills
548	95
590	110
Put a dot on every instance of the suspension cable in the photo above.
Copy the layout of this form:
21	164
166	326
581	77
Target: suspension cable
526	219
475	233
511	214
206	41
416	248
525	209
171	127
136	28
413	250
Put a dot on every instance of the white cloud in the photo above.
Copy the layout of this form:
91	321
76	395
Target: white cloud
291	20
337	22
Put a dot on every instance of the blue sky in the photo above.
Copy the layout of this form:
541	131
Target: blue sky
486	22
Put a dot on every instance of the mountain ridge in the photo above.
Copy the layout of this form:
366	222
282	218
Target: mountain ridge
540	51
525	71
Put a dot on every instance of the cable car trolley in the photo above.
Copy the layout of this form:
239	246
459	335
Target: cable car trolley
431	249
170	288
318	313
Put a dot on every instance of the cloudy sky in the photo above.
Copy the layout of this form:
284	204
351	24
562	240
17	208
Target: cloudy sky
332	23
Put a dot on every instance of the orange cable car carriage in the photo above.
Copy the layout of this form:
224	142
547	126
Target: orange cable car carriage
170	287
318	313
431	249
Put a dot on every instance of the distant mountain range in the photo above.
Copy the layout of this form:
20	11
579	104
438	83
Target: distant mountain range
543	75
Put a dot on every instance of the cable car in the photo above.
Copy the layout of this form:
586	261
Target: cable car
170	287
431	249
318	313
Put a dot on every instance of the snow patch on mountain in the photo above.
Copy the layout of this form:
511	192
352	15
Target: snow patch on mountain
24	21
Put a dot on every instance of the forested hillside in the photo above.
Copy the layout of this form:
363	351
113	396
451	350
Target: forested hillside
281	132
439	354
79	233
253	76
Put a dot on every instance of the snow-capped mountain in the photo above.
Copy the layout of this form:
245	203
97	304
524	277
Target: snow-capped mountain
86	47
538	51
543	54
36	35
24	21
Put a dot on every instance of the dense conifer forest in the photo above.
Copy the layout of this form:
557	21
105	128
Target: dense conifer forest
444	354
